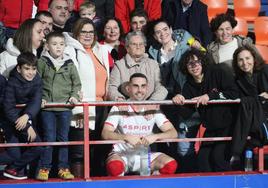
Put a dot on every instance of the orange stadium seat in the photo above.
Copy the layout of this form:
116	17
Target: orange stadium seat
263	50
247	9
261	30
241	27
216	7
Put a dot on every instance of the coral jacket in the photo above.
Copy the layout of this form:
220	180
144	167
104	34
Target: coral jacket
124	7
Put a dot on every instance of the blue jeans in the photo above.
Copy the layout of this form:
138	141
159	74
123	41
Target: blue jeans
188	129
55	127
10	154
19	160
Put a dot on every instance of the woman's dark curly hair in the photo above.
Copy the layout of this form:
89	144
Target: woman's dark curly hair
219	19
189	55
258	60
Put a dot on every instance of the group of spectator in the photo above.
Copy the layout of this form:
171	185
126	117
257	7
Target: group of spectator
127	50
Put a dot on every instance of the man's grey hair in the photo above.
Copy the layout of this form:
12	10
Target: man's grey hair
135	33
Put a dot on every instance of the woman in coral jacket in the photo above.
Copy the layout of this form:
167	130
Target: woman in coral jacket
123	8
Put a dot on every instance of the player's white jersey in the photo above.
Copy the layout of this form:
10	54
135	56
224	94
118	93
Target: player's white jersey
133	123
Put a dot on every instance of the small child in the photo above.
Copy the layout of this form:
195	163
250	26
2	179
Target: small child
61	83
88	10
24	87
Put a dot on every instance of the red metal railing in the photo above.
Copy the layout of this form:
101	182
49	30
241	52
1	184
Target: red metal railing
87	142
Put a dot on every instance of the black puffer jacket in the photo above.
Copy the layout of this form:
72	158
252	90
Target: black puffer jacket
2	92
21	91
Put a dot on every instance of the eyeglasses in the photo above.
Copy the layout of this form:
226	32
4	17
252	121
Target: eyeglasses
193	63
84	33
137	44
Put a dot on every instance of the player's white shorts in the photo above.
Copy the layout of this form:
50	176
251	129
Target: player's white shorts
132	159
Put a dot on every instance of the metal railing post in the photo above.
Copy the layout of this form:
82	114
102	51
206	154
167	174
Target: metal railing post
86	141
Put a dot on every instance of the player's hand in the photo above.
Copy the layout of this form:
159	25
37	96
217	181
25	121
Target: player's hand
21	122
149	139
133	140
178	99
31	134
203	99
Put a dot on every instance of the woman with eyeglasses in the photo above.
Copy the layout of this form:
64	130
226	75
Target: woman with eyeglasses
205	82
92	61
135	61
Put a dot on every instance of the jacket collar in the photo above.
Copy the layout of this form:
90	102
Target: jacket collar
131	63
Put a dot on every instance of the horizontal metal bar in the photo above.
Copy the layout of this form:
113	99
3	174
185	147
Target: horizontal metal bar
122	103
99	142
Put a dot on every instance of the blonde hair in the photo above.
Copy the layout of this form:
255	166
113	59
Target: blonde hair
87	5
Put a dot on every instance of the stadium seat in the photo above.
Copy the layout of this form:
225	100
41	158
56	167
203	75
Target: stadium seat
241	28
261	30
247	9
216	7
263	50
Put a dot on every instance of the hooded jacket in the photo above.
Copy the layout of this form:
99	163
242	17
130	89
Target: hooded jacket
58	85
8	58
86	69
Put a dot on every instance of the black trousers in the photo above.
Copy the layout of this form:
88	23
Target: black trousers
98	153
215	156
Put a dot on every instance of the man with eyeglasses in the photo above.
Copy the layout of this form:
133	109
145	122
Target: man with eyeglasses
60	14
135	61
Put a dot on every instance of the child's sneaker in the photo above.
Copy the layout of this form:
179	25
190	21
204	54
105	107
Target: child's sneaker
65	174
43	174
14	174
